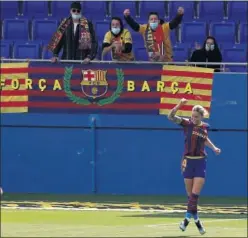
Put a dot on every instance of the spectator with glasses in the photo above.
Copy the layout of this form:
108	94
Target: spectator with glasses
76	36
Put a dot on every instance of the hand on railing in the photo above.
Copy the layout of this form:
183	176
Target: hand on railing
54	59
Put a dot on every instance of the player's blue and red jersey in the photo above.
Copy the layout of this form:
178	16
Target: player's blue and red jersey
195	137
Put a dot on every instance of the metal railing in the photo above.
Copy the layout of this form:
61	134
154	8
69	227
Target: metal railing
222	64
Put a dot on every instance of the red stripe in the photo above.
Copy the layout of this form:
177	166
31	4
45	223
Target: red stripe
51	93
139	72
138	83
190	74
64	105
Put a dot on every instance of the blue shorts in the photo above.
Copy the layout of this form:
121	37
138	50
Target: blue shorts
193	168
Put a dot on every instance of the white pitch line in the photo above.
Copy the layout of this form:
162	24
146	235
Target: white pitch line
97	209
205	221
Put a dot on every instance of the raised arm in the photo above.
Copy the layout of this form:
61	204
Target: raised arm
211	145
130	21
177	20
172	114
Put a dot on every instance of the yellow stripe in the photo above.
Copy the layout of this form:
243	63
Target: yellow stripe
13	109
14	76
8	87
13	98
189	102
195	91
14	65
180	113
167	78
187	68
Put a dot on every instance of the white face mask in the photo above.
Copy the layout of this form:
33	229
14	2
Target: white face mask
154	25
116	30
209	47
76	16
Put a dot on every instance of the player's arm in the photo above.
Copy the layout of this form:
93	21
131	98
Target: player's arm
211	145
172	114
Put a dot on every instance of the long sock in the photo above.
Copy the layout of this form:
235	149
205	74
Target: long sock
188	214
196	218
192	204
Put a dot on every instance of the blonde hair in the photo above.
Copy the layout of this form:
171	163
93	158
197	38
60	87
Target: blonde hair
200	109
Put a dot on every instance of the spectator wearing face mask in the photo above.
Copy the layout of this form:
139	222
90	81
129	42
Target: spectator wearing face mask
208	53
76	36
156	34
118	42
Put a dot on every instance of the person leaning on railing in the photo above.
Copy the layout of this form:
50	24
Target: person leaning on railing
209	52
156	34
118	41
76	36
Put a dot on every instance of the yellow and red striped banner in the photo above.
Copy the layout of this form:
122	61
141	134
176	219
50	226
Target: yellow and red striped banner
9	80
198	92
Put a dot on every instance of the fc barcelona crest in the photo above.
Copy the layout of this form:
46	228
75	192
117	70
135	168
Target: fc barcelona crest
94	83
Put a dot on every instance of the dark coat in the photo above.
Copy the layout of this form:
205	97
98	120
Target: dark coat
202	55
69	44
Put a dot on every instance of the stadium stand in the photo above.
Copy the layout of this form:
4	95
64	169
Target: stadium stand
26	50
180	52
211	11
22	21
35	9
193	32
5	49
9	9
16	29
189	8
42	29
116	8
237	10
152	6
223	31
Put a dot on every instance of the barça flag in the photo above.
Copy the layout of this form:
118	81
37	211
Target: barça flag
103	88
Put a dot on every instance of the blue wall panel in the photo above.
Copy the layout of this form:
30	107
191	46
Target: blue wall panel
46	160
38	157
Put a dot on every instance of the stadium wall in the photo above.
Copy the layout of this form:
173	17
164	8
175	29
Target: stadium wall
110	154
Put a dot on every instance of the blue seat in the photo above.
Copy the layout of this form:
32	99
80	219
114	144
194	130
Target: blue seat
16	29
237	11
94	10
43	29
235	53
106	57
27	50
9	9
193	32
35	8
101	27
137	38
180	52
173	36
141	54
211	11
189	9
152	6
5	49
224	32
118	7
60	9
243	33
